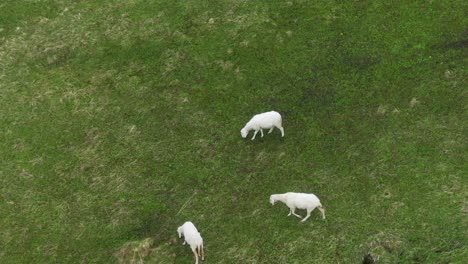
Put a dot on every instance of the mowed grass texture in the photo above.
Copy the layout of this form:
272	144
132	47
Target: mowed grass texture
120	121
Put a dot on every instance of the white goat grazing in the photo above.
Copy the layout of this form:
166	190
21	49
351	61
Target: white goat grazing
268	120
193	238
299	200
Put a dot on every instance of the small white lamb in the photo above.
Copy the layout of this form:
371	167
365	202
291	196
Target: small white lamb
299	200
267	120
193	238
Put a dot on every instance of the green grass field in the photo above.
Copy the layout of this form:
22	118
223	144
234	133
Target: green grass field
120	121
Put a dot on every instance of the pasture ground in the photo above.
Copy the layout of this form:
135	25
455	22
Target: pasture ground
120	120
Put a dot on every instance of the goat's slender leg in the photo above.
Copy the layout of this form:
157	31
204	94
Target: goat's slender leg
308	214
256	131
282	130
322	210
196	255
202	253
271	130
261	131
292	211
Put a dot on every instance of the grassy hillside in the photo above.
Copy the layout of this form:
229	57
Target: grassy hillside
120	120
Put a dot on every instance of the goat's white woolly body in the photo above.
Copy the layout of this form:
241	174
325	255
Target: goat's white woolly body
267	120
193	238
293	200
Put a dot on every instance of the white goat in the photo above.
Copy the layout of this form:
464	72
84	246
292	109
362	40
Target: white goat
193	238
299	200
267	120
